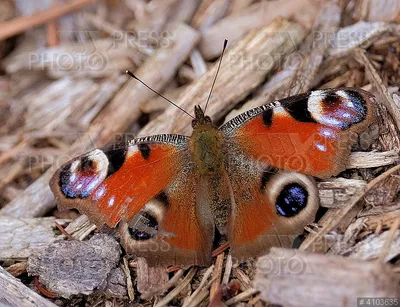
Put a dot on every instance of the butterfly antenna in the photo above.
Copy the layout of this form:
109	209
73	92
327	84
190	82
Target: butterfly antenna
174	104
215	78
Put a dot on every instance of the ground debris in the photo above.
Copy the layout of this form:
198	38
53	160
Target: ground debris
74	267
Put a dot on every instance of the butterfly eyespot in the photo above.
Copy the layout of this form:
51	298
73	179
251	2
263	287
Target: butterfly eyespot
291	200
144	227
81	177
162	198
266	176
88	165
340	109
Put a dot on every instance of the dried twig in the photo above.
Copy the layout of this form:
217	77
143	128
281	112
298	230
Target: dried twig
129	284
21	24
171	295
228	269
193	300
241	297
164	287
380	87
217	275
386	247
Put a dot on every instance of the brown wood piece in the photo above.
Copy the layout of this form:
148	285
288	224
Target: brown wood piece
23	23
53	38
290	277
13	292
234	27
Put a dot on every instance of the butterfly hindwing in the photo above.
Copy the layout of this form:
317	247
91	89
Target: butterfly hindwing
269	207
310	133
173	228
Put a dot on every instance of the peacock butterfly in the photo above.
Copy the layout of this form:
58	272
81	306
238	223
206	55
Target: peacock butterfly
250	179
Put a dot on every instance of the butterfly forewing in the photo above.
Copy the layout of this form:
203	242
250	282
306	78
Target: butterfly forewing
115	183
310	133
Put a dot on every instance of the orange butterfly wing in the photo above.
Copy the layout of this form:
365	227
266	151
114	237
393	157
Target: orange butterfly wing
309	133
182	236
114	184
148	187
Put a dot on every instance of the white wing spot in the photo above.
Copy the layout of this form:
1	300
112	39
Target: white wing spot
100	192
111	201
346	115
280	110
72	178
314	103
132	149
346	98
328	133
320	147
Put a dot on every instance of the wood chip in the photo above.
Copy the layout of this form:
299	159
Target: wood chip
312	51
234	27
150	279
241	297
373	159
384	96
129	285
228	270
297	77
241	66
74	267
217	274
23	23
194	300
14	293
378	10
338	192
17	268
316	242
209	12
172	282
361	33
371	247
243	278
19	238
80	228
292	278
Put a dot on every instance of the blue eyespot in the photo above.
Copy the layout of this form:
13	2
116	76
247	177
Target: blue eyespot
291	200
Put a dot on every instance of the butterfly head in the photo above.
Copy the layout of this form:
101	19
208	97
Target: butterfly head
200	118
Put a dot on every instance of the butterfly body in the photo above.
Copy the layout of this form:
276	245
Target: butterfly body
206	145
250	178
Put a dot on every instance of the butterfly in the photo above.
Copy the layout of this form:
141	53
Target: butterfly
250	179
